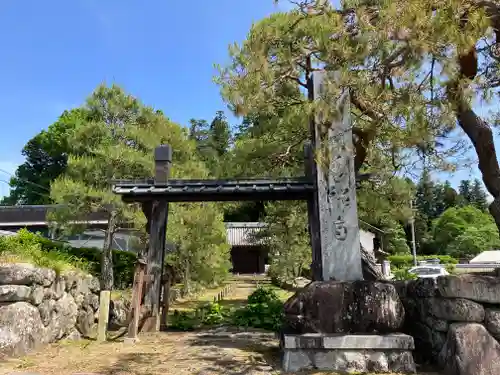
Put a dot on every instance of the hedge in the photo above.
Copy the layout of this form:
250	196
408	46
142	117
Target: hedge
400	261
123	261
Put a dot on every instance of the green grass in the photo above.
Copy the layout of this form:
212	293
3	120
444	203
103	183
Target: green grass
282	293
25	247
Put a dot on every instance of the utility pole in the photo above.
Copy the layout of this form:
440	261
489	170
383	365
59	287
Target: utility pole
413	243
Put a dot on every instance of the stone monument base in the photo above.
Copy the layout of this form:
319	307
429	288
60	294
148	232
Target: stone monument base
348	353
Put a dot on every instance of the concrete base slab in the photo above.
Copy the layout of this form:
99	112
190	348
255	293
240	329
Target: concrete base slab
349	353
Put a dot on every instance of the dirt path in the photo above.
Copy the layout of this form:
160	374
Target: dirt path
220	351
209	353
243	286
159	353
162	353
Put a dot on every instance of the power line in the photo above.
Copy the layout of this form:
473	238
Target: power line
34	192
24	180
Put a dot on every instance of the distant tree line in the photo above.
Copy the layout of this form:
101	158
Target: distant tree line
451	222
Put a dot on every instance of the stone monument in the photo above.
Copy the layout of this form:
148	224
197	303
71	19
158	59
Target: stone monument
336	189
342	323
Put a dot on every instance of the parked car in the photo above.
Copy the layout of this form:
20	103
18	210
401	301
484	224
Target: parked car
428	271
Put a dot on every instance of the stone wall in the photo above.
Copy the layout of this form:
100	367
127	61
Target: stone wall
38	307
455	322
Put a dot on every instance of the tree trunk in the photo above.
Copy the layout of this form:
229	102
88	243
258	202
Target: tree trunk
185	287
481	136
107	279
477	129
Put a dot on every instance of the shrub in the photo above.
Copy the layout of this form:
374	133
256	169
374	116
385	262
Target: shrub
210	314
123	261
451	268
264	310
403	274
184	321
262	295
30	247
401	261
27	247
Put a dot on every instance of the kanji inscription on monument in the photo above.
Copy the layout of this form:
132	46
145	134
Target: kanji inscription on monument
338	216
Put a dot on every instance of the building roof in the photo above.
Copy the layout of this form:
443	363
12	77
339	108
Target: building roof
36	215
491	256
245	234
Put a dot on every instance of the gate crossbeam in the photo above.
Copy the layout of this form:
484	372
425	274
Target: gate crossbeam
299	188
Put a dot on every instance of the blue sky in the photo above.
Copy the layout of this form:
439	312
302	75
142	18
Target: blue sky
54	53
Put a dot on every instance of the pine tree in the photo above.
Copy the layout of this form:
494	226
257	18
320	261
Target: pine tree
478	196
220	134
464	190
392	55
450	195
425	198
117	142
439	205
199	133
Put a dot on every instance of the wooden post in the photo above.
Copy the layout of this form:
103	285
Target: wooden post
135	308
167	282
104	300
157	239
106	278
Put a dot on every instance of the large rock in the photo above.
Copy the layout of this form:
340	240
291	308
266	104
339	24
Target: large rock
470	350
422	288
477	288
492	322
428	340
93	284
80	286
14	293
118	314
63	317
435	324
20	329
25	274
345	307
58	288
90	302
457	309
45	309
37	295
85	324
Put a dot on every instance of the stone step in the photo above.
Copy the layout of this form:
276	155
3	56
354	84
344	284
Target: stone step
340	341
349	353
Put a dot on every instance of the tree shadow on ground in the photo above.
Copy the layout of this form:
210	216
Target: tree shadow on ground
259	348
204	357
